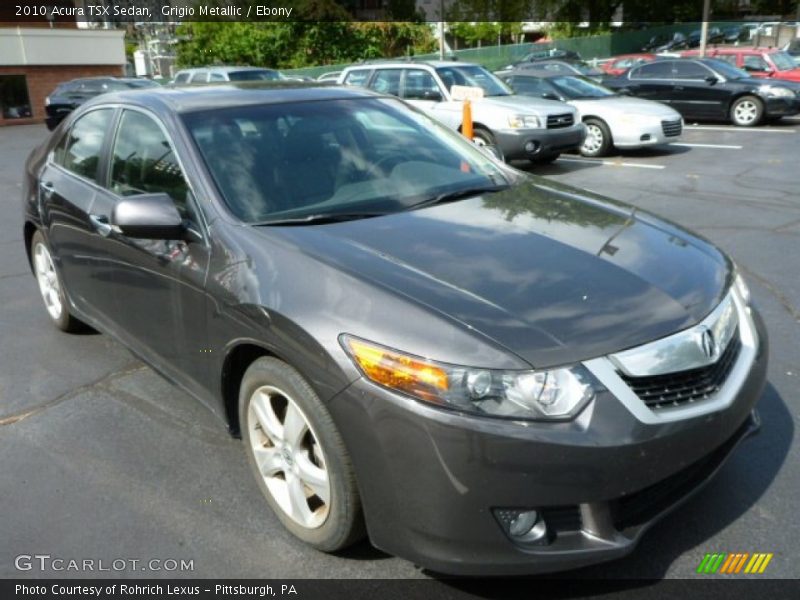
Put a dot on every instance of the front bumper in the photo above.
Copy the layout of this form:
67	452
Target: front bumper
515	143
647	133
430	479
781	107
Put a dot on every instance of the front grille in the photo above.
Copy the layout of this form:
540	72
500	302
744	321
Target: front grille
641	507
675	389
558	121
672	128
562	519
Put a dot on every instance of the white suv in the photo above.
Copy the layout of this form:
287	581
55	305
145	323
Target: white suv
522	127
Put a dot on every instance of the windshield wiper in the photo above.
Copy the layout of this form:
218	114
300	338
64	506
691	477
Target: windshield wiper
458	195
317	219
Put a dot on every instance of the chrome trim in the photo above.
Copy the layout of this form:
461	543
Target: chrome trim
684	350
606	372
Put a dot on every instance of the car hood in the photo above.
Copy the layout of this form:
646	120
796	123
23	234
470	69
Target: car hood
519	103
625	105
550	273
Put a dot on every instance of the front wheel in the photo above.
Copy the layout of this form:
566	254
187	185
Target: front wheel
598	139
51	287
747	111
298	456
482	137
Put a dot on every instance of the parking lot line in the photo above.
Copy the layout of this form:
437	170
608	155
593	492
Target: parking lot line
721	146
742	129
610	163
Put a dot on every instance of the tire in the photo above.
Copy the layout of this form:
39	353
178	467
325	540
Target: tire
747	111
305	474
51	286
483	137
545	159
598	140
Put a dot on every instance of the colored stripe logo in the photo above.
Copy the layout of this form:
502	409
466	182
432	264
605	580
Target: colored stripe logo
734	563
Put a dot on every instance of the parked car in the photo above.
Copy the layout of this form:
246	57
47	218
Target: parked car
707	88
664	44
736	34
222	74
617	65
523	128
714	36
329	76
553	53
564	67
758	62
657	41
488	372
611	120
793	50
69	95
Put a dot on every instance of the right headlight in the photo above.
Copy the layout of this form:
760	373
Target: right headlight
524	122
555	394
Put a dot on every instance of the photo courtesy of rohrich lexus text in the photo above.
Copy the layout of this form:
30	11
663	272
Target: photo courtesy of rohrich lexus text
420	299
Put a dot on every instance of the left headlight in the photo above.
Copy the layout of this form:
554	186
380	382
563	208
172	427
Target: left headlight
556	394
773	91
524	122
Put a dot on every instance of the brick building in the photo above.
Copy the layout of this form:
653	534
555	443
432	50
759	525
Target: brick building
37	55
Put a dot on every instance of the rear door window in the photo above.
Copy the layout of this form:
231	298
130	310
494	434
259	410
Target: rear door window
420	85
386	81
690	71
199	77
654	70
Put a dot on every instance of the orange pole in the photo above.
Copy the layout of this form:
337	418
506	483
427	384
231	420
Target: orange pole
466	120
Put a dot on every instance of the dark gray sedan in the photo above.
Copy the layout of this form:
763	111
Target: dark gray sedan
484	372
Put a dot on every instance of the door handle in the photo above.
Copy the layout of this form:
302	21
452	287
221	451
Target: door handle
101	224
47	187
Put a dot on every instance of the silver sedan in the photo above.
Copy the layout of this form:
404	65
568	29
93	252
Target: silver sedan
611	120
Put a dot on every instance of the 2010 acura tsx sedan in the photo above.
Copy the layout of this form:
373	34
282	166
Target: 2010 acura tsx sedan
484	372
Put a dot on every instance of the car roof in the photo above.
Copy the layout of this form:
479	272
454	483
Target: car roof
411	63
225	69
206	97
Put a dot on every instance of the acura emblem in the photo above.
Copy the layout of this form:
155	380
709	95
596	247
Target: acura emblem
707	343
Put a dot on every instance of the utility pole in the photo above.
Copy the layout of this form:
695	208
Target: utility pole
704	27
441	29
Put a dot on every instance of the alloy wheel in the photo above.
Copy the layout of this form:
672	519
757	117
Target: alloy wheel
746	112
289	456
594	139
47	278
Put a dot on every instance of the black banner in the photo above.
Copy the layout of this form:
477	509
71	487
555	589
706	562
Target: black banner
385	589
630	12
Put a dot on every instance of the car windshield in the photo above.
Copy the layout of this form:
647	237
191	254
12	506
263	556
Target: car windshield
576	88
254	75
350	158
727	70
473	76
782	60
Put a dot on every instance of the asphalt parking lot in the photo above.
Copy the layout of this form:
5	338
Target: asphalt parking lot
104	459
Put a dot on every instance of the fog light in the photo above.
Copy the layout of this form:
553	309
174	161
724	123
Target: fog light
645	138
531	147
525	526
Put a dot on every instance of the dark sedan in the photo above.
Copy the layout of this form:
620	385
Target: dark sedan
564	67
712	89
71	94
483	371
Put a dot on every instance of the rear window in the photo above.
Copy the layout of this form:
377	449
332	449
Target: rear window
357	77
260	75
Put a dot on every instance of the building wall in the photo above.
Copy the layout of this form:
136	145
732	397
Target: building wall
40	46
42	79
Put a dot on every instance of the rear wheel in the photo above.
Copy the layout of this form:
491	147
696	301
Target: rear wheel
747	111
51	287
598	138
298	456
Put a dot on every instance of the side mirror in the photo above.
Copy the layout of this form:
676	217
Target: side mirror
148	216
711	80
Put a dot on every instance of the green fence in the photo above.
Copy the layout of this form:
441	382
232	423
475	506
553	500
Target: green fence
595	47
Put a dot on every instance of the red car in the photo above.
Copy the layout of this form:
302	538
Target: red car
758	62
620	64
